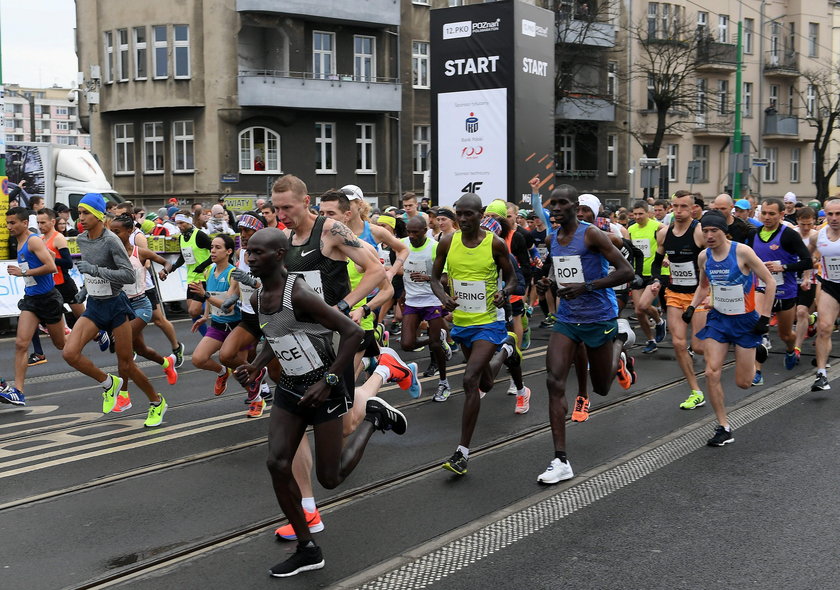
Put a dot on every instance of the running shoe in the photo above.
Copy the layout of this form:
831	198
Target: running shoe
446	349
443	392
529	311
256	409
820	384
304	559
650	347
624	378
386	339
12	395
43	329
313	520
170	371
812	324
548	321
814	363
431	370
67	330
798	352
774	321
758	379
112	344
221	383
690	351
761	354
123	402
379	334
581	411
103	340
631	368
721	437
254	388
512	390
661	330
516	358
415	390
155	416
556	471
396	328
179	355
526	339
36	359
457	463
400	372
386	416
523	402
695	400
791	360
765	340
266	392
109	396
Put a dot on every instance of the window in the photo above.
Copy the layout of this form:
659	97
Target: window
420	64
420	146
421	2
723	96
109	56
810	101
651	90
365	148
62	125
140	61
124	148
791	94
701	96
153	147
653	11
181	48
747	99
567	152
364	58
703	22
325	148
259	150
612	155
794	164
161	54
700	154
612	80
723	28
323	55
122	61
183	146
791	41
749	27
813	39
774	96
673	151
665	21
770	170
774	43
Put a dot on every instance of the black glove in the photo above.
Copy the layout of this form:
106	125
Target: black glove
762	326
688	314
637	282
243	277
81	295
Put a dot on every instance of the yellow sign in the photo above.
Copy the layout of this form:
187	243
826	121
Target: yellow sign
4	206
240	203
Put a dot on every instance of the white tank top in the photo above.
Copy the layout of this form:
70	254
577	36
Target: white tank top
245	291
830	256
138	287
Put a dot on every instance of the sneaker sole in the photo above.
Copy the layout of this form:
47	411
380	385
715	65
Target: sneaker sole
303	568
122	409
162	414
36	363
694	407
414	381
578	420
826	388
721	444
315	528
448	467
549	482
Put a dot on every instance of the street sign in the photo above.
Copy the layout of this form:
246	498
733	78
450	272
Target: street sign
229	177
759	162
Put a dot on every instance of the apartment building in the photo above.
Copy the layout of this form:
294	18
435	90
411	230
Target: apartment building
42	114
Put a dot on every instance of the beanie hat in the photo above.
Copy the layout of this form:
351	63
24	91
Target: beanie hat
94	203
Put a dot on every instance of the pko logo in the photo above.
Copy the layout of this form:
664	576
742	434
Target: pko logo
530	29
471	123
457	30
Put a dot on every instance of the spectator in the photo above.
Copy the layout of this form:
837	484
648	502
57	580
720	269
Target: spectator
200	219
218	223
231	218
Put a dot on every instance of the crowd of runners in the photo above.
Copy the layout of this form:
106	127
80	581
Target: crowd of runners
313	296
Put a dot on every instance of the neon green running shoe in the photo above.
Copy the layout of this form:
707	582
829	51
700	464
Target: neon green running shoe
109	396
155	416
695	400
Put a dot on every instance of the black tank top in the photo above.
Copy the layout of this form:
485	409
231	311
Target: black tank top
327	276
682	252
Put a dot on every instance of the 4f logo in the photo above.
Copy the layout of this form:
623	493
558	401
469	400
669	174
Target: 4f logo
472	187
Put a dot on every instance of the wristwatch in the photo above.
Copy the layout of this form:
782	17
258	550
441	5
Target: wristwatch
366	310
332	379
589	286
343	307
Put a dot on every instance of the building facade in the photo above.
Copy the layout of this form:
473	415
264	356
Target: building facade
42	114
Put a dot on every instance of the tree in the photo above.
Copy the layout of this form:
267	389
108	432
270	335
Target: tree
822	112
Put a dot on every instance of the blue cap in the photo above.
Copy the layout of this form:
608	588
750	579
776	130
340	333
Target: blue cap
172	211
821	213
94	203
742	204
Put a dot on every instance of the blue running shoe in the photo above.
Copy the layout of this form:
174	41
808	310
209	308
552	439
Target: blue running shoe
660	330
103	340
11	395
526	340
758	379
415	389
791	360
650	347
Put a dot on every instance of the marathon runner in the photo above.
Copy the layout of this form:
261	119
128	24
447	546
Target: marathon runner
826	243
643	236
806	292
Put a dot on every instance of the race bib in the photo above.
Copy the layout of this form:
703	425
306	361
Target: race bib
245	293
296	354
683	274
728	300
415	266
97	286
189	256
217	311
831	266
28	281
313	279
643	244
779	277
471	295
567	269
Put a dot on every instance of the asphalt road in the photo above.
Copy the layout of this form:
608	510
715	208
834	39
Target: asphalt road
93	501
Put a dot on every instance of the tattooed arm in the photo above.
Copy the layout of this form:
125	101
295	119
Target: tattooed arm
341	244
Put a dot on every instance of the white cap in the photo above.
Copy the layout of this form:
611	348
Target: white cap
352	191
790	198
591	201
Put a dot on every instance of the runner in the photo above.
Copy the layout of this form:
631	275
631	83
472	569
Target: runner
726	271
784	254
643	236
475	261
41	302
106	268
826	243
364	230
580	256
681	242
806	291
312	391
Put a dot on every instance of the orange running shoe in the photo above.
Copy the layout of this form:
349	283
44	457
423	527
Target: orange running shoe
123	402
581	411
625	379
256	409
313	519
523	402
774	321
400	373
221	382
170	371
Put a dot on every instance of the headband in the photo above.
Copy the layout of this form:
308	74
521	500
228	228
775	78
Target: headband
185	218
250	222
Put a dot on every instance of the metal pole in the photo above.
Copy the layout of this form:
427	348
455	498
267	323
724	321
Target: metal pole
2	112
736	138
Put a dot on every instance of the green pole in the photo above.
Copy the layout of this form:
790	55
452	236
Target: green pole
736	138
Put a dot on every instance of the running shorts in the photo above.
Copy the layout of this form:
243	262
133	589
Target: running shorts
731	329
48	307
592	335
110	313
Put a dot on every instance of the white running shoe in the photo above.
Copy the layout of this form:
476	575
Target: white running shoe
624	328
557	471
446	348
512	389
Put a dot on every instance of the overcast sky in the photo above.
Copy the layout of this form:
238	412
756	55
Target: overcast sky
38	42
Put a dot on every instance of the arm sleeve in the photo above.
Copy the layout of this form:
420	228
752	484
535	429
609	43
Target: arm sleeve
637	257
200	268
536	201
65	261
202	240
656	266
791	242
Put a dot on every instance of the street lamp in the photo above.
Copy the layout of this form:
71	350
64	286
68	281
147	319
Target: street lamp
31	98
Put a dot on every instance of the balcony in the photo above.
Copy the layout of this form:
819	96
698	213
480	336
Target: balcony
716	57
713	125
778	126
781	64
585	108
374	13
302	90
585	32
